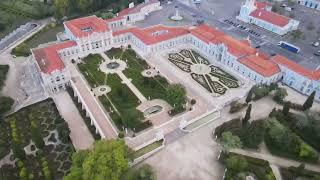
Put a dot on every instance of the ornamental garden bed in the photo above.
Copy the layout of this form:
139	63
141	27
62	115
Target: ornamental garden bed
37	121
147	149
211	77
298	173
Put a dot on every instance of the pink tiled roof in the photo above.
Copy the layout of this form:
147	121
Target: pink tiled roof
77	26
281	60
48	58
260	65
270	17
154	34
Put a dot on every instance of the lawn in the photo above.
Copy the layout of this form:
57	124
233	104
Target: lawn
123	100
147	149
154	87
56	154
243	166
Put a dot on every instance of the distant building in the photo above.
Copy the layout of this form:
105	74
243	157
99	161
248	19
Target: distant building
314	4
260	14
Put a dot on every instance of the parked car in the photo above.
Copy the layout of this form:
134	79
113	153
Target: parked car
316	44
317	53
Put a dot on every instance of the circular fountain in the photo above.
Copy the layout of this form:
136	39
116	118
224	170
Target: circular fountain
176	16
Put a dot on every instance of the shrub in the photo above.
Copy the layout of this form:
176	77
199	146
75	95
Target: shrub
121	134
235	106
193	102
280	94
260	92
5	104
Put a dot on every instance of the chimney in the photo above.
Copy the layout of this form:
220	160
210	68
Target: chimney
259	13
257	54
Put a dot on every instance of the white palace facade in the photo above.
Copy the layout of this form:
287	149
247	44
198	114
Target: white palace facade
91	35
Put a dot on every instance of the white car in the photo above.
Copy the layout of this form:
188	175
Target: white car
316	44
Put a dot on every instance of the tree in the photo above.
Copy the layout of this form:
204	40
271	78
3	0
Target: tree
247	116
61	7
286	108
36	135
63	131
237	163
176	95
145	172
5	104
229	141
309	101
280	94
249	96
108	159
85	5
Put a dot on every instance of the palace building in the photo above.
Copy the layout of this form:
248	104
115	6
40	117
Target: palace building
260	14
91	35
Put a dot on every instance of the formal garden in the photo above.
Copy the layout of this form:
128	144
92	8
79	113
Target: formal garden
243	167
211	77
121	102
35	143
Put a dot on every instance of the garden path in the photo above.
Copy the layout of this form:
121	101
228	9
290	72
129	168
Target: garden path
276	171
280	161
80	135
127	81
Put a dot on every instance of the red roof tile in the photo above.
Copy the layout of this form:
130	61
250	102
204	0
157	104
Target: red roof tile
262	5
206	33
281	60
77	26
270	17
260	65
48	58
154	34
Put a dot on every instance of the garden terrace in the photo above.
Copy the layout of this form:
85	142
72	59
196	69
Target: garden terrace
153	87
121	103
246	166
44	121
211	77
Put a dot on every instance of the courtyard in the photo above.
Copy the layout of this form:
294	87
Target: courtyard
211	77
133	94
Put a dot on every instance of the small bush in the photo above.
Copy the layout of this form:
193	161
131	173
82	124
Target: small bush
236	106
193	102
121	134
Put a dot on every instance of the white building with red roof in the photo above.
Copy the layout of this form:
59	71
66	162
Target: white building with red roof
260	14
90	35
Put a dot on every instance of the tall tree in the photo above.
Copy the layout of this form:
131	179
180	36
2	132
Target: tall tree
286	108
176	95
108	159
229	141
248	115
85	6
309	101
249	96
61	7
36	135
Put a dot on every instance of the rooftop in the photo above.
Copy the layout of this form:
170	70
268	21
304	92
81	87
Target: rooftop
87	25
136	9
270	17
48	58
260	64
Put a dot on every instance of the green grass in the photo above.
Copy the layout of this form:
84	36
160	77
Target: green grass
120	96
155	87
147	149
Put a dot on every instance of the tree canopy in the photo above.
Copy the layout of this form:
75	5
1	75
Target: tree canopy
108	159
176	95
